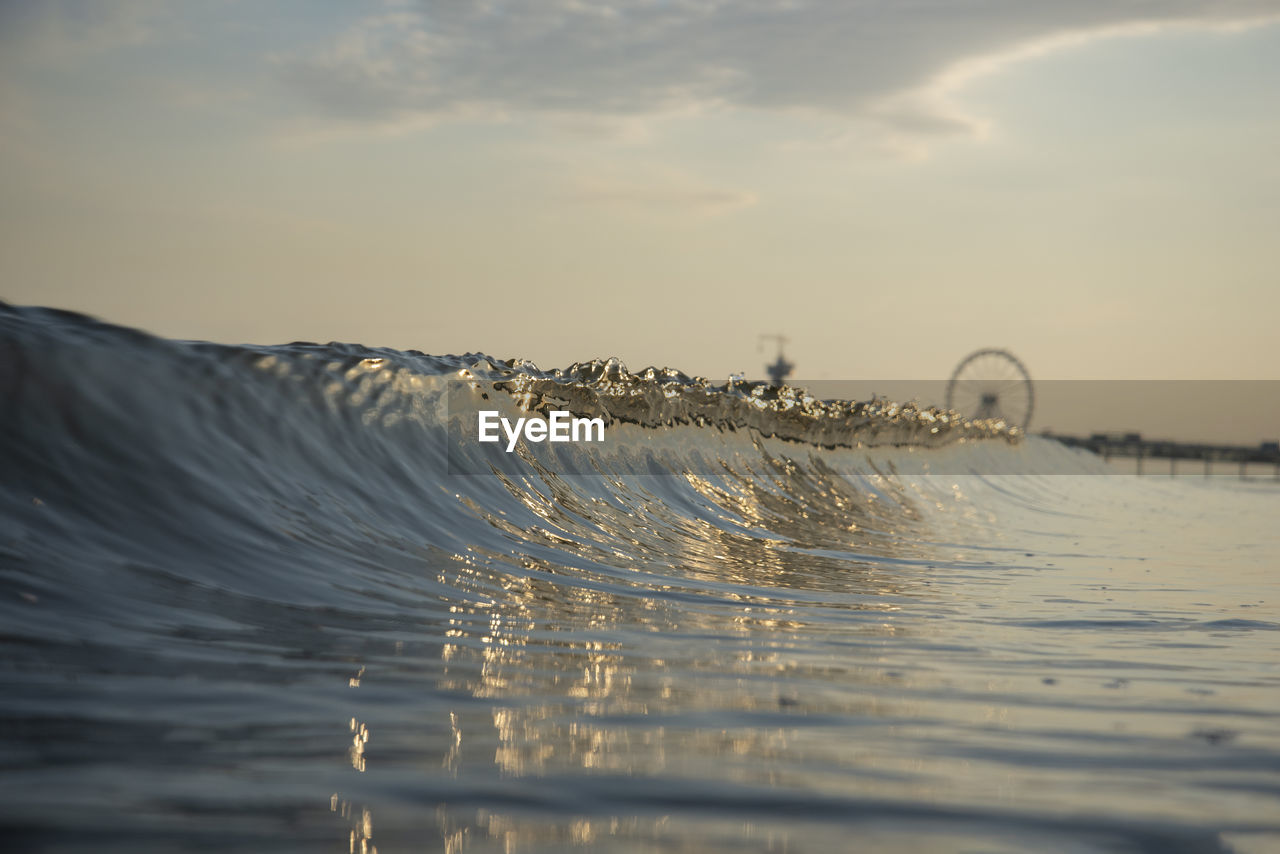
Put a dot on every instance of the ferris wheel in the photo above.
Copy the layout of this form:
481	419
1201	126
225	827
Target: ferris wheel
992	384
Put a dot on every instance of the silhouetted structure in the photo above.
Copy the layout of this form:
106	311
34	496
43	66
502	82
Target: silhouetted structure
992	384
1132	445
780	369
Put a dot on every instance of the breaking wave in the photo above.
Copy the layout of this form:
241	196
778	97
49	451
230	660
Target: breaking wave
187	527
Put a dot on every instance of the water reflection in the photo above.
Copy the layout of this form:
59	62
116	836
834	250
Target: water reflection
359	738
596	658
360	838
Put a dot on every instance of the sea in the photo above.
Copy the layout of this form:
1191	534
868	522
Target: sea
279	598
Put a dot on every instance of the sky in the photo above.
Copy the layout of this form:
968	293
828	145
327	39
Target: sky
1092	185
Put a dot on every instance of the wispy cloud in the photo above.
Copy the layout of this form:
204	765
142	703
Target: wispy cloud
68	30
933	107
893	65
660	191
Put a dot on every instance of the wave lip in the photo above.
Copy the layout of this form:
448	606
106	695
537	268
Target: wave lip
664	397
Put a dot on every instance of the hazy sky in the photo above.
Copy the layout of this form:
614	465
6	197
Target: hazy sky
1092	184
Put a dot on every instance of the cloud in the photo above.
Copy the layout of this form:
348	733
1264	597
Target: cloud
64	30
661	191
932	108
891	64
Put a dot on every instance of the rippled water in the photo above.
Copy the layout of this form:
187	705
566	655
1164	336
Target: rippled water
247	602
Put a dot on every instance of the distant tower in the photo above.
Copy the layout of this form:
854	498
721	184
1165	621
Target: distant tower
780	369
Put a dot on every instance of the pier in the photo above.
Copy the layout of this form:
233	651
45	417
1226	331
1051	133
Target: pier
1132	445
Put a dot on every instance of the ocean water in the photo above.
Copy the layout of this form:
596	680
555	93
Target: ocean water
277	599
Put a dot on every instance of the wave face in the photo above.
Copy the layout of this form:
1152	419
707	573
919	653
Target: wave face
278	597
